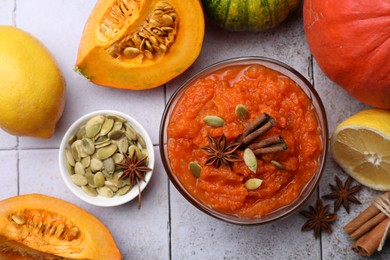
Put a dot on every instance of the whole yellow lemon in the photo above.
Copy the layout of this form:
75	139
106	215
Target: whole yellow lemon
32	88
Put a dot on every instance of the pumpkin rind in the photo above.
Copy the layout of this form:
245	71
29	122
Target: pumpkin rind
349	39
96	64
36	225
250	15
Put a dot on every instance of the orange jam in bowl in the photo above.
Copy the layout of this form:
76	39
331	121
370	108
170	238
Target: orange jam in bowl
204	140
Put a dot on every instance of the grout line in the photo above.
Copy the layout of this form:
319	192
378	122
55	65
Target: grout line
17	166
14	14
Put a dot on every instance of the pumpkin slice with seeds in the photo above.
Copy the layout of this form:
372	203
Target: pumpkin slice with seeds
35	226
140	44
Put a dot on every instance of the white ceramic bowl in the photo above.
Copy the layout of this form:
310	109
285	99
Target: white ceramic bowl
100	200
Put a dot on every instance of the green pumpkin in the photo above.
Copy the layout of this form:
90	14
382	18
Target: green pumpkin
248	15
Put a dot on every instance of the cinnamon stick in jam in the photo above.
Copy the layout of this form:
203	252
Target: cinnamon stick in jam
271	149
267	142
261	130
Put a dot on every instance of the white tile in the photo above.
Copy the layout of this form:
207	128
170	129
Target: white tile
6	12
8	174
138	232
196	235
7	141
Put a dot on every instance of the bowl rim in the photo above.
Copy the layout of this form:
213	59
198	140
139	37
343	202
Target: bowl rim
100	200
321	118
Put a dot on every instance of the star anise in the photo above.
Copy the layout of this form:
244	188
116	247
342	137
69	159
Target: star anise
135	169
221	153
343	194
318	218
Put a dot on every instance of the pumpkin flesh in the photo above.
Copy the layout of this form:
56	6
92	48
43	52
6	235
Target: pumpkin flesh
350	41
98	62
36	225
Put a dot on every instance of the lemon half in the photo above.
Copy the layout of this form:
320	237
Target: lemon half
361	147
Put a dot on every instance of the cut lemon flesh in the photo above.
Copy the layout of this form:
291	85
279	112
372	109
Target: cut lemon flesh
361	147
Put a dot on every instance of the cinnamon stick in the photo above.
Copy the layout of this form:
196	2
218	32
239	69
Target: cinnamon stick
370	224
361	220
271	149
255	124
267	142
373	240
261	130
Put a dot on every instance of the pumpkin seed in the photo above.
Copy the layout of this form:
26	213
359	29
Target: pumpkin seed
116	134
90	178
130	132
215	121
241	111
93	126
69	157
118	158
122	191
107	126
250	159
96	165
99	179
81	132
88	146
105	192
102	139
79	168
123	145
70	169
166	20
72	139
141	141
116	118
107	151
109	165
278	164
131	52
195	169
86	161
89	191
148	54
76	153
79	180
112	187
18	219
253	183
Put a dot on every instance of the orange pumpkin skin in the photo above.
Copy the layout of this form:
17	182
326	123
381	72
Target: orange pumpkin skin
97	61
36	226
350	41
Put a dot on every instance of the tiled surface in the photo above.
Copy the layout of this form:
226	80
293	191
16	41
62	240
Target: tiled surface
167	226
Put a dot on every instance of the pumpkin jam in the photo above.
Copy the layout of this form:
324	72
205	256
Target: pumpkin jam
260	90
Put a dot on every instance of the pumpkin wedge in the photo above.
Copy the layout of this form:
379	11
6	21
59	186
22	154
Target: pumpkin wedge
36	226
141	44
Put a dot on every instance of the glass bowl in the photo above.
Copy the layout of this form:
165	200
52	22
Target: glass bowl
65	169
321	119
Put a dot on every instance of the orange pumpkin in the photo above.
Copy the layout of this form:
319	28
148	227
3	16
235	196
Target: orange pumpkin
140	44
36	226
350	41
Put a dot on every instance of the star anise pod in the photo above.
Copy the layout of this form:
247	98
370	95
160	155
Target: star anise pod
221	153
343	194
135	169
318	218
